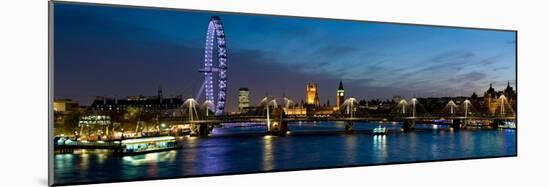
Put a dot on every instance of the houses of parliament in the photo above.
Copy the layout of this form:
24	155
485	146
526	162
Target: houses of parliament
312	106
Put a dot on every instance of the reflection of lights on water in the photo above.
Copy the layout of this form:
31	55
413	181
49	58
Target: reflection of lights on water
84	153
150	158
64	161
435	126
340	124
267	163
101	155
140	159
101	158
379	138
85	159
191	138
351	148
269	137
379	143
64	157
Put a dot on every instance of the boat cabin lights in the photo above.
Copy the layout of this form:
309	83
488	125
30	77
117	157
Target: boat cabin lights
151	139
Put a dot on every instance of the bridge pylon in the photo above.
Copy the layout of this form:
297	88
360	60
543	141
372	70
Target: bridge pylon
200	129
408	125
277	126
349	127
457	124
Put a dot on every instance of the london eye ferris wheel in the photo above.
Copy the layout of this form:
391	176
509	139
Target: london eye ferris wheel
215	34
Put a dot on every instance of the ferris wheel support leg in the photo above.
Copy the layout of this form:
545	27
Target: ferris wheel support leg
199	93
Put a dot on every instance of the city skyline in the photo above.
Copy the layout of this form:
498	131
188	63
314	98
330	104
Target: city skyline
165	48
190	93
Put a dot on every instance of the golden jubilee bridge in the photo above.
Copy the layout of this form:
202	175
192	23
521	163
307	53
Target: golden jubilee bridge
201	120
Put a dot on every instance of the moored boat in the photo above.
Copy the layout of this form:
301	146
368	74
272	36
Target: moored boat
379	130
144	145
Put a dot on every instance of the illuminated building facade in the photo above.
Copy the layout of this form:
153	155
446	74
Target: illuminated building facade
510	93
312	98
491	97
65	105
244	100
296	111
146	103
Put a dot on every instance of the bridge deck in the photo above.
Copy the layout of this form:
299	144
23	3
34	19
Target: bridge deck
226	119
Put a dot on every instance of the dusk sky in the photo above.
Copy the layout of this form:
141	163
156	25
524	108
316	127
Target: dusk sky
107	51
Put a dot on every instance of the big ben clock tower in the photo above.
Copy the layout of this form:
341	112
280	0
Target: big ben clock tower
340	96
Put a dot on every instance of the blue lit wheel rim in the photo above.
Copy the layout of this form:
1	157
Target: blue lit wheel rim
215	30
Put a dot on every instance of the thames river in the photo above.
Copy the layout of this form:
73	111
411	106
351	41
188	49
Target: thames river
245	149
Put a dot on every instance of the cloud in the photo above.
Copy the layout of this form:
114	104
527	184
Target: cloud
501	68
334	50
468	77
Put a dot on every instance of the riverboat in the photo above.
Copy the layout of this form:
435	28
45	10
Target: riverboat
379	130
144	145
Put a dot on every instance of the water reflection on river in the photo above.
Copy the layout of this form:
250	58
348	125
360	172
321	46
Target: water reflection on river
224	153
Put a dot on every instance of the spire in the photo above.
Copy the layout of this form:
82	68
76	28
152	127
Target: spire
159	91
490	92
341	86
160	94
